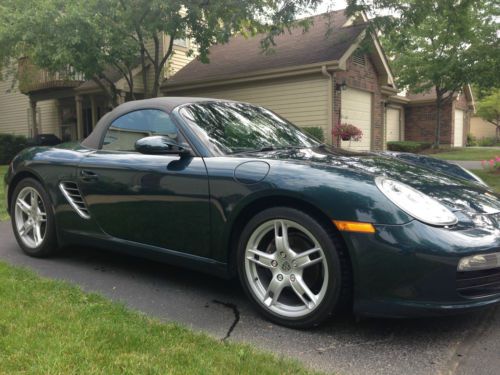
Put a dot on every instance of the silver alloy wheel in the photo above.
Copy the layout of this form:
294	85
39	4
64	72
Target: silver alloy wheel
30	217
286	268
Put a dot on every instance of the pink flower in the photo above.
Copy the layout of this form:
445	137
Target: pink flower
483	163
492	163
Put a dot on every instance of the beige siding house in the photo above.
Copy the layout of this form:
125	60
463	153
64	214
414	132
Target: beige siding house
65	104
315	79
481	128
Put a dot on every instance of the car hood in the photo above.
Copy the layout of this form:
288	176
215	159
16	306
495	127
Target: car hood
455	193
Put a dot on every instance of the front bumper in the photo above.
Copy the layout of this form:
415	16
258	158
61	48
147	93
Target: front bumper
411	270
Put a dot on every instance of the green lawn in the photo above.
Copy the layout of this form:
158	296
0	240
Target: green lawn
3	208
480	153
491	179
51	327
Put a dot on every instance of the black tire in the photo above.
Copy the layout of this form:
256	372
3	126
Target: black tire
338	286
48	245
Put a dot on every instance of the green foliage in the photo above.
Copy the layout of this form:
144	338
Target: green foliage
51	327
489	109
10	145
408	146
487	142
93	36
439	45
471	140
315	131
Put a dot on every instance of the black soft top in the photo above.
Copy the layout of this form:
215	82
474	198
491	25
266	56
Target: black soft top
167	104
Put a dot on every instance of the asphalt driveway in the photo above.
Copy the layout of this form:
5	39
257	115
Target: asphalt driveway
454	345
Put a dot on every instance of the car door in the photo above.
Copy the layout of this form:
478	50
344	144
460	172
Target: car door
158	200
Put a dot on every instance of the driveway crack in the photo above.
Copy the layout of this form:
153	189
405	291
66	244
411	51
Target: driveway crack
236	313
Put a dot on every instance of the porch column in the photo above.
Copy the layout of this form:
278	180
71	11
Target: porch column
59	119
93	106
79	116
34	130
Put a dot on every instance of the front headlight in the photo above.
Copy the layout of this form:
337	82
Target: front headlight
415	203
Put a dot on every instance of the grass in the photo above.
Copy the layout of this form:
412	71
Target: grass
492	179
465	153
51	327
3	206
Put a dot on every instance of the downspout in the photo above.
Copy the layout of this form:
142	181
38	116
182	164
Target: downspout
331	83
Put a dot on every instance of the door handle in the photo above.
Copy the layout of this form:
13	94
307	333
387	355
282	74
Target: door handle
88	176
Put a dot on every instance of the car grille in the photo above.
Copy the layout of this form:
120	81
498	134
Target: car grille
482	283
72	193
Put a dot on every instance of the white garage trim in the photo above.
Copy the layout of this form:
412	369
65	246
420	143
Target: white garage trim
458	133
356	109
393	124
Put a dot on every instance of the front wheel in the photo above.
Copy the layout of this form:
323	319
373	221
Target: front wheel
32	219
290	267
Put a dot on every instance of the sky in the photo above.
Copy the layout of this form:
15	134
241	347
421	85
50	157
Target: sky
337	4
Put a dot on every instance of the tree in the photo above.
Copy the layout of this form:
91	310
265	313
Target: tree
489	109
93	36
438	45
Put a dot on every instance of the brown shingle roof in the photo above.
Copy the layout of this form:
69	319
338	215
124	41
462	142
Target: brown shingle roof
325	41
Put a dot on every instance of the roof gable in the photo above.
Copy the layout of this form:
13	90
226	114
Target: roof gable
327	40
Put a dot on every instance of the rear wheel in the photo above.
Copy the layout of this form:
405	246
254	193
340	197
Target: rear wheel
32	219
290	267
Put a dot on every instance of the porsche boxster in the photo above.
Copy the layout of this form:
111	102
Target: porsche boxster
233	189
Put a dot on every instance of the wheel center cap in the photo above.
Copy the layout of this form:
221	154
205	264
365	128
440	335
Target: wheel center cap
285	266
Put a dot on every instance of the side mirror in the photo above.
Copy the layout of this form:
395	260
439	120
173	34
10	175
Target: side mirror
160	145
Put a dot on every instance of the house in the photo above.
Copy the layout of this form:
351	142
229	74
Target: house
480	128
316	78
334	73
64	103
421	113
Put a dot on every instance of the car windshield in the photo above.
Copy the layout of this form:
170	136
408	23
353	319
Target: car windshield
231	128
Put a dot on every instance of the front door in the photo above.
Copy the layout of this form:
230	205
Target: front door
159	200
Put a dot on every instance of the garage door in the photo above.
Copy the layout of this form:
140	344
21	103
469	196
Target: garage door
458	138
393	117
356	109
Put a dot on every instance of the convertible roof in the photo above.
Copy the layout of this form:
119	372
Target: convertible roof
167	104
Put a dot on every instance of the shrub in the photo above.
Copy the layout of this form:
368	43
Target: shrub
315	132
10	145
492	165
347	132
408	146
487	142
471	140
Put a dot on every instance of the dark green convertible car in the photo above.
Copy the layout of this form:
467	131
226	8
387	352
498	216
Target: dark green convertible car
233	189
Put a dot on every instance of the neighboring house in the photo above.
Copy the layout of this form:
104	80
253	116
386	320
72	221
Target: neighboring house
480	128
421	112
315	79
64	103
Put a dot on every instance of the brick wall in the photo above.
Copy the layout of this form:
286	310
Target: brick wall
364	77
420	123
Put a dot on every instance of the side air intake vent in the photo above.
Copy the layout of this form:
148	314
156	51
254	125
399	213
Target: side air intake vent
72	193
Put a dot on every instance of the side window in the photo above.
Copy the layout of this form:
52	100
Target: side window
129	128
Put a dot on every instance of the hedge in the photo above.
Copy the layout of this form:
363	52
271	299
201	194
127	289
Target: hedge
408	146
10	145
316	132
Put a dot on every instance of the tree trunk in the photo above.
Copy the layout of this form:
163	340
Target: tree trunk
439	99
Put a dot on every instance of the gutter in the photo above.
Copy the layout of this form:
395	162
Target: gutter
244	77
